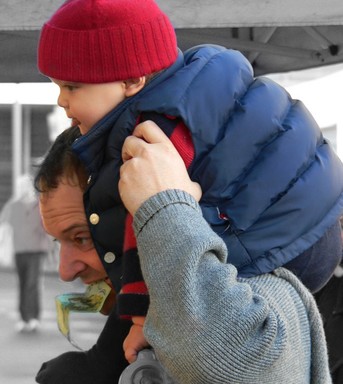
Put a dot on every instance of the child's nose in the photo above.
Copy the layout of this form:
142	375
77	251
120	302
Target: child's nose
62	101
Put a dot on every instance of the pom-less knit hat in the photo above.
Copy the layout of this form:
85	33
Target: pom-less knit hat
100	41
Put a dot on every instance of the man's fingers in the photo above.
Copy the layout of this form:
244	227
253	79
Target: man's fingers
150	132
131	146
146	132
196	191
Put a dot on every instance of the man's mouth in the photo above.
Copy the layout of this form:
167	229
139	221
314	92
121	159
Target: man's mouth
108	281
111	299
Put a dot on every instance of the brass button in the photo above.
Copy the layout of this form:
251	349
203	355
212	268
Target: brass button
109	257
94	218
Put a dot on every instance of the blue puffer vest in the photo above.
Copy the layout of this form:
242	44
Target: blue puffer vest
271	183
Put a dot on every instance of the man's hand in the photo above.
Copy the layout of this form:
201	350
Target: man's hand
151	165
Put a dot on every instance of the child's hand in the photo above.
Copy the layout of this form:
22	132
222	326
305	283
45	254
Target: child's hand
135	340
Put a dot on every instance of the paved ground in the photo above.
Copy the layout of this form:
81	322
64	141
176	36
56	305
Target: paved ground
21	355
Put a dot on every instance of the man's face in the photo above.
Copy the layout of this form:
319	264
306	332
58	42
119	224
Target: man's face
64	219
86	104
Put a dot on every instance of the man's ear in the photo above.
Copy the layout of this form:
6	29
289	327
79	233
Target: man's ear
133	86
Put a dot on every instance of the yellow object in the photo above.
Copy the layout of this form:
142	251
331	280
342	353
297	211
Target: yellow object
91	300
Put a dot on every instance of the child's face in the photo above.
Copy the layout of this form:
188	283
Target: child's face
86	104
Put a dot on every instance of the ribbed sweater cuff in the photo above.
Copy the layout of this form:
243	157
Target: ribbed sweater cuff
159	201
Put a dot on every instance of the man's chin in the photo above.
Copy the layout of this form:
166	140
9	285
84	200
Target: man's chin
109	303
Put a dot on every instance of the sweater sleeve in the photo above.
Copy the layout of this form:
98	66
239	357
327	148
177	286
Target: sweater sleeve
205	325
133	299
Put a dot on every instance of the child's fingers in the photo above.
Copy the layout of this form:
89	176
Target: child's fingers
130	355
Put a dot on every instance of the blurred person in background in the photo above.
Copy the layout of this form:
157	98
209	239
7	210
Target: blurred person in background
31	245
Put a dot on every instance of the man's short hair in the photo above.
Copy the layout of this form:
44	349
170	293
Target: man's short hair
61	162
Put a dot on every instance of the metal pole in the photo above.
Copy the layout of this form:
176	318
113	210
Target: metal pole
16	144
26	140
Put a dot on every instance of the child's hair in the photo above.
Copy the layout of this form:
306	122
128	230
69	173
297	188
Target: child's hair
100	41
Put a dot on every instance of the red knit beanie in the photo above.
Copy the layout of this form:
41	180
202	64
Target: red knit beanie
100	41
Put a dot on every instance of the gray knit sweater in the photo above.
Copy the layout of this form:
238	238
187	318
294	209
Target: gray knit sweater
208	326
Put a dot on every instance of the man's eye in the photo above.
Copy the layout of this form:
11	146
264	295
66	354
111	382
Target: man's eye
82	240
85	243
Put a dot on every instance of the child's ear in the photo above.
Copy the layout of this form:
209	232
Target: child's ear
133	86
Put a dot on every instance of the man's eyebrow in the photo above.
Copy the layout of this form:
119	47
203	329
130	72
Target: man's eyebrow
81	226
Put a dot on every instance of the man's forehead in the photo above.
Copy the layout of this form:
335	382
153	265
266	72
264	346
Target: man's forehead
64	203
66	187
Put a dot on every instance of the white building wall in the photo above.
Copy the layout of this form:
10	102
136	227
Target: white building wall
323	96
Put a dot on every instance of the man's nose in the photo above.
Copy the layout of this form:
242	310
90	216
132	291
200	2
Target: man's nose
71	265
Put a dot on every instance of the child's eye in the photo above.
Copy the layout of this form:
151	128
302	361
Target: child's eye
70	87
